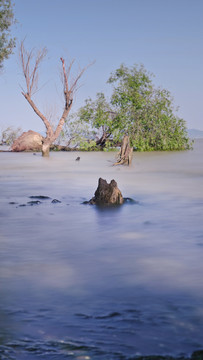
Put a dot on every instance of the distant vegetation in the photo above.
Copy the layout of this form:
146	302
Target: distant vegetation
136	108
9	135
7	43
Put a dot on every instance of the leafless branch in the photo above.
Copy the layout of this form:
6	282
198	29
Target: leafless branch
30	62
30	71
74	85
69	90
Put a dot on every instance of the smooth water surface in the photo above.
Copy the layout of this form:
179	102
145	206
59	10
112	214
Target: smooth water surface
81	282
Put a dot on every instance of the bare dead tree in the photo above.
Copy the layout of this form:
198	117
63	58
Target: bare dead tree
30	62
125	153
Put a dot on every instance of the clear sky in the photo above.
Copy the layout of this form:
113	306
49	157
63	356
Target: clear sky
166	36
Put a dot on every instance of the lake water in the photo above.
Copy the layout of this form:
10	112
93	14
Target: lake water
81	282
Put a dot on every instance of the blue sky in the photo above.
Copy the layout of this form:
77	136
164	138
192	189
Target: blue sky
166	36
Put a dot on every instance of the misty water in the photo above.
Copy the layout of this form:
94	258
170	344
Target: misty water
82	282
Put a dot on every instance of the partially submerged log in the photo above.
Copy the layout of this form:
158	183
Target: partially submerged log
126	152
107	194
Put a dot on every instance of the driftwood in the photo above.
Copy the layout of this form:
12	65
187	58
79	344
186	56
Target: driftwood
107	194
125	153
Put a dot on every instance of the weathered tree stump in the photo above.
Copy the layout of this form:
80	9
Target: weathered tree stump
107	194
126	152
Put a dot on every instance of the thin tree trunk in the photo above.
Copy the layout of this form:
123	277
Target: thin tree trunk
49	130
62	121
102	140
46	147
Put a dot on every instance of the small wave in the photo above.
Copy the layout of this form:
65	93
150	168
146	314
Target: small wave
62	349
125	315
98	317
52	349
108	316
84	316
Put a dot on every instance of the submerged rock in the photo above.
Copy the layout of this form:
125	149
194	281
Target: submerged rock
39	197
131	201
196	355
55	201
34	202
107	194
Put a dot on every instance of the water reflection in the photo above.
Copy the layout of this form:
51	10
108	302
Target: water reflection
4	326
101	282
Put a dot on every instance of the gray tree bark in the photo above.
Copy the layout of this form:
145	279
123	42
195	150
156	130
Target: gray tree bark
126	152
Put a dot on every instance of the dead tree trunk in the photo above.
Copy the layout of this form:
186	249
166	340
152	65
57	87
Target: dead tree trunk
46	147
107	194
126	152
102	141
31	76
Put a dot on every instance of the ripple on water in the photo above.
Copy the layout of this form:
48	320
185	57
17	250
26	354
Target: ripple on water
53	349
27	349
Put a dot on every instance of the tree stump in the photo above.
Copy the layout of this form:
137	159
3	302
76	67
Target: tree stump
126	152
107	194
46	148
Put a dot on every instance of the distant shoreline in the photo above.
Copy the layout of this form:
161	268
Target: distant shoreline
195	134
6	149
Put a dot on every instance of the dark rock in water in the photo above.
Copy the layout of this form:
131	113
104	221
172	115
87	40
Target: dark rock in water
34	202
39	197
12	203
55	201
77	159
130	201
197	355
107	194
147	222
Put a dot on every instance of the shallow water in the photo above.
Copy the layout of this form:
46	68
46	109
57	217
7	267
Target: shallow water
80	282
